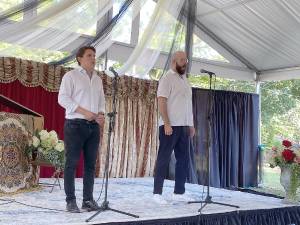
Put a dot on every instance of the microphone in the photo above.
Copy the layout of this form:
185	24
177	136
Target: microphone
206	71
113	71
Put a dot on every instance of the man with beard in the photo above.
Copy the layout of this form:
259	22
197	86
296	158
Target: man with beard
176	127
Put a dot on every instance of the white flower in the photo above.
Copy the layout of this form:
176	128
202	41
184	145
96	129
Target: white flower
297	153
295	147
46	144
269	155
53	137
60	146
53	134
35	141
44	135
53	140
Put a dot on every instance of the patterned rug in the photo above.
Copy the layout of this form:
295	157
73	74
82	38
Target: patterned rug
15	171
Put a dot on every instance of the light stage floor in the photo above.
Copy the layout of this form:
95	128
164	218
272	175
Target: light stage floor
133	195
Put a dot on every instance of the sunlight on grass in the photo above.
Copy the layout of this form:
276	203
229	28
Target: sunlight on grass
271	182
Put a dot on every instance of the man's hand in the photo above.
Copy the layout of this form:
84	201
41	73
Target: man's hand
90	115
192	131
168	129
100	119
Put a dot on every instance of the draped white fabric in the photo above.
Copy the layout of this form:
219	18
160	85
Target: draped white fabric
145	54
254	35
58	26
133	10
8	29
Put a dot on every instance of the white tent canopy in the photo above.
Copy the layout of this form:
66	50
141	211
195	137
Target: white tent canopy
258	38
264	35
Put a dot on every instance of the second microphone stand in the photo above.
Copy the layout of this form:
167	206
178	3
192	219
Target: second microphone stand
112	115
208	199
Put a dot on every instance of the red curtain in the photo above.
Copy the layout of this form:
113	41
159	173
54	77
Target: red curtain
42	102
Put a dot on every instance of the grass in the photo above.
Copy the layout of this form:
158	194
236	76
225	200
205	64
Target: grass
271	182
271	178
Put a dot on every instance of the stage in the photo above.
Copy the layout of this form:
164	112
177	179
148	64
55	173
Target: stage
134	195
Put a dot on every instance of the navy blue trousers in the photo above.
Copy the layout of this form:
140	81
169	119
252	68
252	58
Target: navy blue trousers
179	142
80	135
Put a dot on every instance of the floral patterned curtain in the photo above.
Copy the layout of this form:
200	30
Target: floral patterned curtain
134	140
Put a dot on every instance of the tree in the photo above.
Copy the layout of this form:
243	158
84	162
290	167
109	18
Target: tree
278	104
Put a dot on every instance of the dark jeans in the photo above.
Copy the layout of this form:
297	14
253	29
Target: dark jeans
80	134
179	142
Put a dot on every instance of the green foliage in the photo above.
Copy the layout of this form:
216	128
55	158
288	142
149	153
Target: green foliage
8	4
295	179
280	111
39	55
204	51
222	84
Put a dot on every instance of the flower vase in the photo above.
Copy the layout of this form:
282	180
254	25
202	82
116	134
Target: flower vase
41	159
290	189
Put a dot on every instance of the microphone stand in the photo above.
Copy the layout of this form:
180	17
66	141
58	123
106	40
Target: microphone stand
112	115
208	199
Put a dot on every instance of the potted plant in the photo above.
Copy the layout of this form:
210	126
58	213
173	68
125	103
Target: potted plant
45	147
287	156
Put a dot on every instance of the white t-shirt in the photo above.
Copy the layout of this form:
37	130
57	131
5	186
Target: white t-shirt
78	89
178	92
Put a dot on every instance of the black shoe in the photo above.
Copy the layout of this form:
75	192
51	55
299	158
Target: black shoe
72	207
90	205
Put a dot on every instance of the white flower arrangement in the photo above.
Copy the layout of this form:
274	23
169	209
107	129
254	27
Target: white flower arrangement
46	146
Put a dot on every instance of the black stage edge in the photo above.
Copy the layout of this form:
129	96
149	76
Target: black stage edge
276	216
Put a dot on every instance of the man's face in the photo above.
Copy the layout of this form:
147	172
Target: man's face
181	63
88	60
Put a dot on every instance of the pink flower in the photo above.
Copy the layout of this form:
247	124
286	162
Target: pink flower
274	148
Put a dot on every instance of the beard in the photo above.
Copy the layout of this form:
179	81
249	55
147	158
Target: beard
180	69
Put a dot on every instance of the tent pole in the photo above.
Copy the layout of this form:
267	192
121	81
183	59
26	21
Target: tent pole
260	148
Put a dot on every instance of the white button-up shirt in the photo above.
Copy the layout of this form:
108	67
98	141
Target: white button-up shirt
78	89
178	92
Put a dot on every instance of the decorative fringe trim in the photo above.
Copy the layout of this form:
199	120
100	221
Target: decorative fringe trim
34	74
